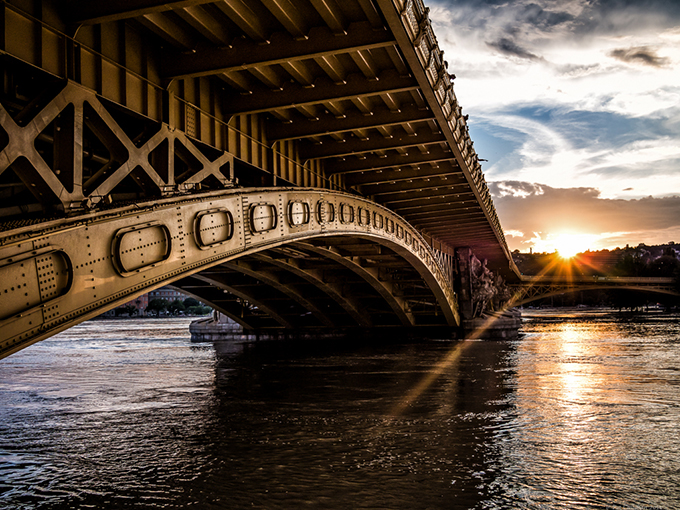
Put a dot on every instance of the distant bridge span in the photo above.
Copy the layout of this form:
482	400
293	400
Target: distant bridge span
533	288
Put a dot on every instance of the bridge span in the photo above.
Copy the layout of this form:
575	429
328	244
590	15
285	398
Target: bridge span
295	164
533	288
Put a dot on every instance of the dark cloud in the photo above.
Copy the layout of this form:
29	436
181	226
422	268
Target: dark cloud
536	16
526	24
530	207
639	55
510	48
614	16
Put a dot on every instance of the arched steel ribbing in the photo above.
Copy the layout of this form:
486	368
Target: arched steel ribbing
269	258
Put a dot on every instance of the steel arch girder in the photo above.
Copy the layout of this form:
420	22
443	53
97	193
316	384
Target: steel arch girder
229	311
268	278
398	306
59	273
221	283
315	277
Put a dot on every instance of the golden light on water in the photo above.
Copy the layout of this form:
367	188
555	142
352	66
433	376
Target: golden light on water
432	375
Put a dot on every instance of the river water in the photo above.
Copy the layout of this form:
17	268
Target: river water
582	411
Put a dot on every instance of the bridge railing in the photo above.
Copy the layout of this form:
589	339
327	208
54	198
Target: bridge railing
414	17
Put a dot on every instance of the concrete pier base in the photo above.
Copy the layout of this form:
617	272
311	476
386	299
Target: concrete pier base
493	326
217	327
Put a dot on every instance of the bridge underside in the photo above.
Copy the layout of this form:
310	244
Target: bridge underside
107	102
335	282
294	164
270	258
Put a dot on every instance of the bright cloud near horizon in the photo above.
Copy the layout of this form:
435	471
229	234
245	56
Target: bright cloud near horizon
576	106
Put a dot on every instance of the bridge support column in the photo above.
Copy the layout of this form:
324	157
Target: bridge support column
464	282
478	291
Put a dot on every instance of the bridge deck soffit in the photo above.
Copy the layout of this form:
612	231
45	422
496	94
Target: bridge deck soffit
323	95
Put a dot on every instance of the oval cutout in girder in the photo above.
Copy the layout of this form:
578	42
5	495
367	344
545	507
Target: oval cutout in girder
364	216
34	280
262	217
325	211
378	220
141	247
298	213
213	227
346	213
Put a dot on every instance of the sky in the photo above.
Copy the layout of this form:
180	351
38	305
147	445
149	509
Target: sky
575	105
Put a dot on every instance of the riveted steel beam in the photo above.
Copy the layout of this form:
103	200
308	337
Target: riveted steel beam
294	95
169	30
328	124
254	296
291	290
204	22
369	274
399	174
408	185
290	16
446	220
356	145
443	204
218	300
418	193
283	48
416	216
318	278
86	12
354	164
453	200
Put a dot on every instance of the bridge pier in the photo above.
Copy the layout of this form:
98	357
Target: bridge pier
480	294
223	330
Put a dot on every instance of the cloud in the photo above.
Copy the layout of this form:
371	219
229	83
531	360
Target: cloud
508	47
623	157
529	210
578	95
639	55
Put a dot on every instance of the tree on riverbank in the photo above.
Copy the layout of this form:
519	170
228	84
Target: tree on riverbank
176	306
128	310
639	261
156	306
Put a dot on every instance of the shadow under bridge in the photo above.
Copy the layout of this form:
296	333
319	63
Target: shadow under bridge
272	259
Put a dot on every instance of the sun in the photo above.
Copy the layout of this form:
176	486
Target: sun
568	245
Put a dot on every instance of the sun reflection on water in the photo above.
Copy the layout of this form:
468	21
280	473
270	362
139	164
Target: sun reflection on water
585	386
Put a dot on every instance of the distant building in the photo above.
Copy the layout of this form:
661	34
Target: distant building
141	302
166	293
